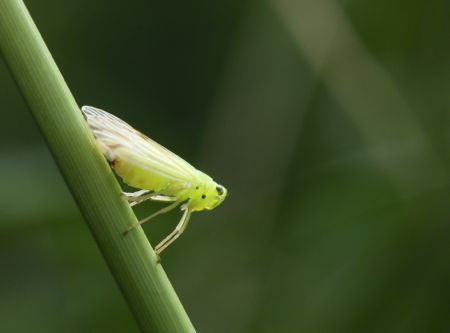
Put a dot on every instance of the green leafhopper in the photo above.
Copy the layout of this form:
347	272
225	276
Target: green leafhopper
160	174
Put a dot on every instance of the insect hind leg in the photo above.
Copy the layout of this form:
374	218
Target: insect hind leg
174	234
159	212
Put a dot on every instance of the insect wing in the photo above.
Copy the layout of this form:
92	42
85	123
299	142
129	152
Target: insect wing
118	139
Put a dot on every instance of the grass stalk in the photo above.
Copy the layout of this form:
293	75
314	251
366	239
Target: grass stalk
131	259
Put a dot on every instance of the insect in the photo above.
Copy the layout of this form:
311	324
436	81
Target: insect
160	174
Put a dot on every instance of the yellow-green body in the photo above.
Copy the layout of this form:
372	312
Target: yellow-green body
136	175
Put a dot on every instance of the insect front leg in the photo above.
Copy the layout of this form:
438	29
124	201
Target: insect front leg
174	234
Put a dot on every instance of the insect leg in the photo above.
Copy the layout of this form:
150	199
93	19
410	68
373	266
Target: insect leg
135	194
174	234
159	212
163	198
136	197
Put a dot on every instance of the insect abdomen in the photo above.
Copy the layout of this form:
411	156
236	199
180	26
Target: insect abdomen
139	177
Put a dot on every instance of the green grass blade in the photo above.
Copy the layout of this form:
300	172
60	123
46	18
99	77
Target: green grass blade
131	259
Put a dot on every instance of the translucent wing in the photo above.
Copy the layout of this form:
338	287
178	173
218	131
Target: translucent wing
120	140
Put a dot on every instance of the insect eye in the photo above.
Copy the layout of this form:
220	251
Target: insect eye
203	196
219	190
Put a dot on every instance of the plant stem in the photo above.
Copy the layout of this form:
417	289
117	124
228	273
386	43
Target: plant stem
130	258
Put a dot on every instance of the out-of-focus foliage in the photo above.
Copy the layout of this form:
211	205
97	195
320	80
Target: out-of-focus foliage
327	120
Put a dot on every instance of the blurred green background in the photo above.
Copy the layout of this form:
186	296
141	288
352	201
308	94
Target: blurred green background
329	123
